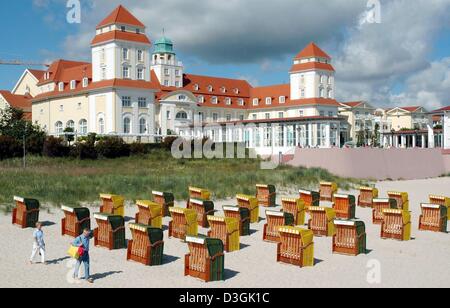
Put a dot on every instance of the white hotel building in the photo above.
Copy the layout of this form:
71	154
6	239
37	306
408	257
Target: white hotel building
133	90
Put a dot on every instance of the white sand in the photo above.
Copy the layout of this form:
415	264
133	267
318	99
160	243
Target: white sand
422	262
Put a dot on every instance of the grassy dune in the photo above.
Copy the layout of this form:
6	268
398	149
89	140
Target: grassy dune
66	181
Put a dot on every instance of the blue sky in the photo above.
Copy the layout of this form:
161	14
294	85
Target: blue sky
404	60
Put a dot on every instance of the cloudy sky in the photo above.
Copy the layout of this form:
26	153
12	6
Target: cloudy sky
403	60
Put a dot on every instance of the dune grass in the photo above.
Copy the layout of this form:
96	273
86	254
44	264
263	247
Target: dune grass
67	181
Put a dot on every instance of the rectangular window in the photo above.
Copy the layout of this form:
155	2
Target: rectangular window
166	71
301	113
177	84
241	117
322	113
177	72
166	83
103	73
282	99
126	101
228	117
125	72
125	54
255	102
255	117
281	115
140	73
168	115
268	101
241	102
330	114
123	29
140	55
73	84
267	115
215	117
142	102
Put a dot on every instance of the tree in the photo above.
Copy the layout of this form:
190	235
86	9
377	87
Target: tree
69	134
14	125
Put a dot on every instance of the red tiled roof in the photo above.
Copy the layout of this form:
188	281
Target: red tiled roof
311	66
120	16
411	109
17	101
353	104
121	36
442	109
57	67
37	73
311	51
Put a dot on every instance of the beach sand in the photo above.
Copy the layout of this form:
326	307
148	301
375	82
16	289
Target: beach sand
422	262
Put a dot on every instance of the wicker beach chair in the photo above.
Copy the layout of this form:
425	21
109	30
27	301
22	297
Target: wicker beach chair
203	208
296	207
434	218
147	245
26	212
401	198
366	196
275	220
250	203
296	246
378	206
75	220
396	225
206	259
345	206
441	200
112	204
350	238
266	195
149	213
184	223
311	198
227	230
110	233
322	221
242	214
165	199
327	191
199	193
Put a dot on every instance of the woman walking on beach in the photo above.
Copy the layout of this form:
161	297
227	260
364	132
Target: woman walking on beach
83	241
38	243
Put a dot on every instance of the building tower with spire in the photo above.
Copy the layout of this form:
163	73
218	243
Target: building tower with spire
312	75
165	65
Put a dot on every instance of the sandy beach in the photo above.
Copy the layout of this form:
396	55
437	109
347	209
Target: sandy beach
422	262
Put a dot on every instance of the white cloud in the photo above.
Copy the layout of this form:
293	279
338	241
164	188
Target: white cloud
373	61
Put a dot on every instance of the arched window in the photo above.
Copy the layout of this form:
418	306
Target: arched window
322	92
71	124
101	126
127	126
59	128
143	126
182	115
83	127
330	93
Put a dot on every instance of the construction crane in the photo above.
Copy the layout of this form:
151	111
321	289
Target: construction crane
21	63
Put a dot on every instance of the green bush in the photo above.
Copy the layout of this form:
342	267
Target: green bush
55	147
10	148
137	148
167	142
84	150
112	147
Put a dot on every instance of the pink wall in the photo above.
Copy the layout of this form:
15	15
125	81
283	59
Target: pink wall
377	164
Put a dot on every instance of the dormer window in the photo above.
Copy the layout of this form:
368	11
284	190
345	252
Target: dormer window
138	31
268	101
223	90
240	102
228	101
73	84
210	88
255	102
196	87
282	99
214	100
61	86
236	91
201	99
123	28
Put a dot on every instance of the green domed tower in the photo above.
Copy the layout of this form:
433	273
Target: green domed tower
165	64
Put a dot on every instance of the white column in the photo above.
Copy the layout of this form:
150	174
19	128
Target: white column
423	141
163	119
327	136
403	141
310	135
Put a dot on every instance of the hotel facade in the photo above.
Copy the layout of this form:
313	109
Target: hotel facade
141	92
